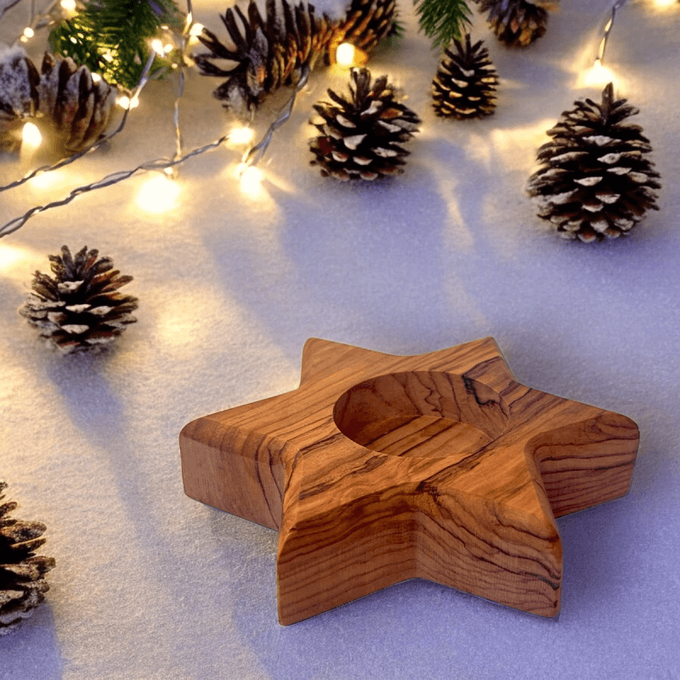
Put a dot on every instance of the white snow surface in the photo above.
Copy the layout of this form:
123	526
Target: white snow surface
150	584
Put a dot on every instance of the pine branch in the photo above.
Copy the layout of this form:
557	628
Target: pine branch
111	37
442	20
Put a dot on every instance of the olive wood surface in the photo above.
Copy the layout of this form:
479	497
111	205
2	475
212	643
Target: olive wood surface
382	468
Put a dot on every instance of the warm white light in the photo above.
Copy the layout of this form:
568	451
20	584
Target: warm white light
28	32
96	77
347	55
251	179
43	180
158	194
69	6
169	47
344	55
11	255
241	135
126	103
31	136
664	4
157	46
598	75
196	29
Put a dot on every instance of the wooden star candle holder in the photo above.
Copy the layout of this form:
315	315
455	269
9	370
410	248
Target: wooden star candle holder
382	468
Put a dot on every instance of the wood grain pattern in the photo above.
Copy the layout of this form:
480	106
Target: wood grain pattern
381	468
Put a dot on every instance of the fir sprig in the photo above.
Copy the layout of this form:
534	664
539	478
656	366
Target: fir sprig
442	20
112	37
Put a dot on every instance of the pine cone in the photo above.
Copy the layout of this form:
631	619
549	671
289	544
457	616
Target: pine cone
269	52
366	23
465	83
594	181
78	108
22	573
19	81
79	308
361	136
516	23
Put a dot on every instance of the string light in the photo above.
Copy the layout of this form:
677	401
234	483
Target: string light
143	80
31	136
69	6
250	179
348	55
158	194
607	31
598	75
240	136
254	155
109	180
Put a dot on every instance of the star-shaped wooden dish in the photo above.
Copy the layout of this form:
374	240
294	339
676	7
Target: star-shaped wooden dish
382	468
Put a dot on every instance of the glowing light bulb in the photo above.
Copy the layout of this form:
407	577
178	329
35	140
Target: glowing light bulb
196	29
664	4
157	46
251	179
344	55
347	55
96	77
69	6
30	135
158	194
241	135
126	103
598	75
27	34
43	180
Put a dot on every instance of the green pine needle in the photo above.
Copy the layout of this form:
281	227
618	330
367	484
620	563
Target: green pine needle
112	37
442	20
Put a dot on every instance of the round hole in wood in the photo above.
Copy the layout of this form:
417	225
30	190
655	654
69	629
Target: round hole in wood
421	413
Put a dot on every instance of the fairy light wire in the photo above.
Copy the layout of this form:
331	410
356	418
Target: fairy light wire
36	19
254	155
7	7
607	31
143	80
184	49
114	178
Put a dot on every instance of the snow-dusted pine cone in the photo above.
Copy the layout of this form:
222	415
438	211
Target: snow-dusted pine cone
516	23
79	307
595	181
361	136
268	52
366	23
465	83
78	108
19	80
22	573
